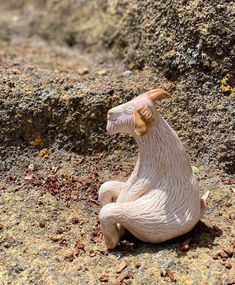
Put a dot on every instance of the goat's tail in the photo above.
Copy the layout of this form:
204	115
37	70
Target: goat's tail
203	202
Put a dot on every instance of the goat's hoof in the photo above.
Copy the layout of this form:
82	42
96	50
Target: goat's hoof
111	243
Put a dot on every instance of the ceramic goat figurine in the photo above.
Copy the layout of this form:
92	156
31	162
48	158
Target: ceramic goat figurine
160	200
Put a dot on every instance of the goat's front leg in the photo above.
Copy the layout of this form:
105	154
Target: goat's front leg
109	192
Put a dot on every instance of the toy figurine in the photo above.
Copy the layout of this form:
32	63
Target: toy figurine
160	200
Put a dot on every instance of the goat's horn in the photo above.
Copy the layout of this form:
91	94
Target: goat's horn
158	94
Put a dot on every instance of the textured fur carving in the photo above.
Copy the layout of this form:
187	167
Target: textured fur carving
160	200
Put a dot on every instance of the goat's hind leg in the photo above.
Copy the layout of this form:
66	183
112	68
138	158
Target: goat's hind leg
109	192
113	220
109	223
139	217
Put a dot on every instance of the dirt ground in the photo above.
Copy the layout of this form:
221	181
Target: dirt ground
55	154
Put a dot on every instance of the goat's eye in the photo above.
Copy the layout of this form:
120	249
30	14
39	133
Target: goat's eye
130	109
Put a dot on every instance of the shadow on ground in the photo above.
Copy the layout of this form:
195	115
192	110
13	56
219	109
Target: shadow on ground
202	236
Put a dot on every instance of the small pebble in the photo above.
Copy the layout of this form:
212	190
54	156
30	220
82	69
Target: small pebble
227	264
127	72
31	167
42	224
137	265
104	278
69	257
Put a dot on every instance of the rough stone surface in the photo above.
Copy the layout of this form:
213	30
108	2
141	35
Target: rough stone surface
185	46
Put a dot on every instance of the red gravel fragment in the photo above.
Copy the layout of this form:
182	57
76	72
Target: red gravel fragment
169	274
104	278
77	252
137	265
79	245
75	220
222	253
42	224
126	246
185	245
121	266
227	264
69	257
125	275
92	253
56	238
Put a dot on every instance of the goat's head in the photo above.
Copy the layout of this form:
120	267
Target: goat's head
135	116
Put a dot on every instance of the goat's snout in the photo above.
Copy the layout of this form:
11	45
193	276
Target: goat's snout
113	115
110	112
110	115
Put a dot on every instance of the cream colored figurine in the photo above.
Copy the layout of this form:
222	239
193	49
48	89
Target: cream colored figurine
160	200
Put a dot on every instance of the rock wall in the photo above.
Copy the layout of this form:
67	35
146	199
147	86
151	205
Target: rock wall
174	36
187	46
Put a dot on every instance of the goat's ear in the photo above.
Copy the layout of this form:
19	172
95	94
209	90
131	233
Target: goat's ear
143	117
141	127
158	94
